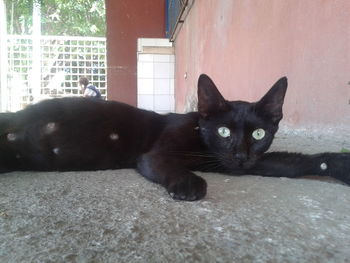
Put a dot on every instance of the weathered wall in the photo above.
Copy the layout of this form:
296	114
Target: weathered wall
246	45
128	20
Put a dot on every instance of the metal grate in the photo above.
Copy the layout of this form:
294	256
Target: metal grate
63	60
19	65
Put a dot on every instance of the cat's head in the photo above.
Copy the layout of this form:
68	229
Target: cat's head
238	132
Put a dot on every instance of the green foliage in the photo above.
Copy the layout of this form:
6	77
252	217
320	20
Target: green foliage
58	17
344	150
19	16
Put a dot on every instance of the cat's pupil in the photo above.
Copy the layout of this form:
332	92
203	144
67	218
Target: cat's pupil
224	132
258	134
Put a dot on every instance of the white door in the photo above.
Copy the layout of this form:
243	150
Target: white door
155	75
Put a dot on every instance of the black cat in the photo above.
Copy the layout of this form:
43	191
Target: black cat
229	137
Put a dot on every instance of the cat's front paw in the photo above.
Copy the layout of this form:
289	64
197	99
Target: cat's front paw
188	188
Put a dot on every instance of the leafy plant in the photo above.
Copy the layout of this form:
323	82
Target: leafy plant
344	150
58	17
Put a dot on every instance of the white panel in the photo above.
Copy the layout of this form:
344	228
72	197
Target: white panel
161	58
150	42
162	102
161	86
145	70
146	58
155	85
145	102
172	103
172	86
171	70
163	42
161	70
145	86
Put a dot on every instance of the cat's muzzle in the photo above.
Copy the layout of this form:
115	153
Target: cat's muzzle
239	163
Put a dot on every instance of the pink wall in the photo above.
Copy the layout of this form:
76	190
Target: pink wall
246	45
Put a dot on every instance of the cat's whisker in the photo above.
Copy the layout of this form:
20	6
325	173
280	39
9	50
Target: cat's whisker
194	154
212	167
209	164
200	155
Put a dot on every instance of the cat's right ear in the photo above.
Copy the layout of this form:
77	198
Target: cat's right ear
271	104
210	99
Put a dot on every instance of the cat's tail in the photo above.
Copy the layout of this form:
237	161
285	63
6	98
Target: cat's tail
6	121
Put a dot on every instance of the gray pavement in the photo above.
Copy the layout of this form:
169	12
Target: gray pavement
118	216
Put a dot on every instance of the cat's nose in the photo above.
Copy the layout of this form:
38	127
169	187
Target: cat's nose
242	157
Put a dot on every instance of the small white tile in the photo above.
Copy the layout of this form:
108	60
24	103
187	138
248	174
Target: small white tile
161	58
172	58
145	86
161	70
171	86
145	102
149	42
146	58
145	70
163	42
162	102
172	103
171	70
161	86
139	44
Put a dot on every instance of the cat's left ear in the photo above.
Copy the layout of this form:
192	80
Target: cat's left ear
210	99
271	104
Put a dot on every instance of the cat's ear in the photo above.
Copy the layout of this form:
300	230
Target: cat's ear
210	99
270	106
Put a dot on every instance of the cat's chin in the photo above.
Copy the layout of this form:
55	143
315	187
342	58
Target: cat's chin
239	165
247	165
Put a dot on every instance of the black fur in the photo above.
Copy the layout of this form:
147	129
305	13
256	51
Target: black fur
86	134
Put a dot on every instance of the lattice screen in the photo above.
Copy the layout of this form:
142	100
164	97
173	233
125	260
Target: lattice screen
63	60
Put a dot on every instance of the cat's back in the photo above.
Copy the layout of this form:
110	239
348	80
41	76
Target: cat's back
86	111
75	106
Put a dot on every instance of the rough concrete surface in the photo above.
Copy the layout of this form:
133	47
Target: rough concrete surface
118	216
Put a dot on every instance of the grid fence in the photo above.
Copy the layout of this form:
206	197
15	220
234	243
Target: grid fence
63	60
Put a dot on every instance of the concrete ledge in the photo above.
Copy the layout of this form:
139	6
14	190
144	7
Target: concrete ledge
118	216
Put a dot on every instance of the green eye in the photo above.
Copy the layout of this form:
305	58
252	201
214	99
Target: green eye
258	134
224	132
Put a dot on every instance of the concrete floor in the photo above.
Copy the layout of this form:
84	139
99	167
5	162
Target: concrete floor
118	216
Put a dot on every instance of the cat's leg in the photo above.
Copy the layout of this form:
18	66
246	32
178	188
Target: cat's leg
6	160
180	183
6	121
21	145
9	161
284	164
